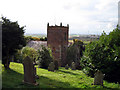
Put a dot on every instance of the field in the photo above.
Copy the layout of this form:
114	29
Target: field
61	78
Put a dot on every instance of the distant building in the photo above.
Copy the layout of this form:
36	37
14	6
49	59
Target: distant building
36	44
57	40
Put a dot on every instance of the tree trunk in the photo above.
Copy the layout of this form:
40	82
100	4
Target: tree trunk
7	62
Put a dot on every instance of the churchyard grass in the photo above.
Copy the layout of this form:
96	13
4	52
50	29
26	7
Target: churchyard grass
61	78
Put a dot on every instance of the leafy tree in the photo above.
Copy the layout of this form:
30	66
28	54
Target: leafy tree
75	52
103	55
28	38
12	39
31	52
44	57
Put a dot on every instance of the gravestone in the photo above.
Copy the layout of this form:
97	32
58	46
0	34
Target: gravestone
66	66
98	79
73	67
29	71
51	67
56	64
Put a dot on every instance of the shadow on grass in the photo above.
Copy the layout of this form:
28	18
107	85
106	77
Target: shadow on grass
46	82
67	72
13	79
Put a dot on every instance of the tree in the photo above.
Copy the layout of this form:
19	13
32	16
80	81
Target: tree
75	52
103	55
31	52
12	39
45	57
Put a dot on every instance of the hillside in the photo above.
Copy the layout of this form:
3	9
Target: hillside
59	79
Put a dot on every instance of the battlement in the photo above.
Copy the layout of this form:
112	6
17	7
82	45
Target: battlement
57	26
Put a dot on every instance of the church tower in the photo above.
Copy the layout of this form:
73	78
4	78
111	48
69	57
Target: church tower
57	40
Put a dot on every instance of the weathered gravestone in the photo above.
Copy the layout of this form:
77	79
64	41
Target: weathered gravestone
66	66
51	67
98	79
73	67
29	71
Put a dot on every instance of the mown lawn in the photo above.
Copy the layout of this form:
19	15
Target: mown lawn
61	78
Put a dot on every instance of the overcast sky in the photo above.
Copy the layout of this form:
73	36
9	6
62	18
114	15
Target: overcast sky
83	16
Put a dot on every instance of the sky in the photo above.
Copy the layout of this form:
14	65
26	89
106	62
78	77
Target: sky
83	16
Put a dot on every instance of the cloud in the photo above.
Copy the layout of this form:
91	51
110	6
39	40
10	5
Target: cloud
82	15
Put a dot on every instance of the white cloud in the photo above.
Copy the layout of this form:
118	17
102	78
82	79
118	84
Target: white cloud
82	15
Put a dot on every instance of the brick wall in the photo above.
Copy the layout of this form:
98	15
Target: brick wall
57	40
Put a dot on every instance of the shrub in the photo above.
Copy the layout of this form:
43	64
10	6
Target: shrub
18	57
103	55
35	38
31	52
75	52
28	38
44	57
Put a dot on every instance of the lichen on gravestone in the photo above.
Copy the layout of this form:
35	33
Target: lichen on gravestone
98	78
51	67
73	67
66	66
29	71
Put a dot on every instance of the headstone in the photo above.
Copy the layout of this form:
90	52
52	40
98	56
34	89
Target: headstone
29	71
51	67
73	67
66	66
98	79
56	64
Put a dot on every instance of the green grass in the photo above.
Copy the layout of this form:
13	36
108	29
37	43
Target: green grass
61	78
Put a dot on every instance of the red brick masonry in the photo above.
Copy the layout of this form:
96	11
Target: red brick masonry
57	40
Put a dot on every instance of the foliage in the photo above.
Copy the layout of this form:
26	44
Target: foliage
29	38
62	78
35	38
75	52
12	39
103	55
31	52
18	56
43	39
44	57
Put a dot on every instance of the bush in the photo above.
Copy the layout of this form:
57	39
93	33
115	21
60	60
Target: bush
103	55
31	52
44	57
43	39
18	57
28	38
75	52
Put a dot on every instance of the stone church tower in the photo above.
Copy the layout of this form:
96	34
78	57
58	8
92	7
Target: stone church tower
57	40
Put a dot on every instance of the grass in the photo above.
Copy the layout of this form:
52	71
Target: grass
61	78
